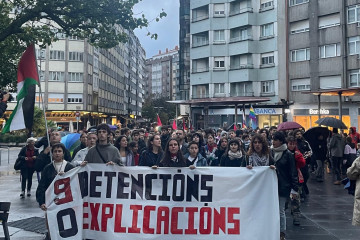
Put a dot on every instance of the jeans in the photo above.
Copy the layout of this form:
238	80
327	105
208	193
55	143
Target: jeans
26	176
335	162
282	201
320	169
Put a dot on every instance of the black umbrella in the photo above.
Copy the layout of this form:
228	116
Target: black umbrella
312	134
331	122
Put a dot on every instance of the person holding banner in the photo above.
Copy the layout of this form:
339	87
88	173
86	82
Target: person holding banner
80	155
103	152
233	156
259	153
126	156
172	155
153	154
58	166
194	158
287	175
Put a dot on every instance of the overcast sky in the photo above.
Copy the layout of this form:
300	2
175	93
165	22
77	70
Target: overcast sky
167	28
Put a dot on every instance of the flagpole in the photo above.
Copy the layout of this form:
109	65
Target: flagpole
43	105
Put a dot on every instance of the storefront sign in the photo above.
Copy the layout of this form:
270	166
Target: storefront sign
111	202
316	111
258	111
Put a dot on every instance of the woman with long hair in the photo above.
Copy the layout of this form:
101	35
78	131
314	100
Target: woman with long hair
126	156
172	155
210	149
233	156
153	154
220	151
199	139
259	153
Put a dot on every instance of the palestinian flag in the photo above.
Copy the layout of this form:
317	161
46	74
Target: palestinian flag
27	79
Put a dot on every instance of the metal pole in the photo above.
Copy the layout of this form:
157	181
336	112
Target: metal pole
176	114
0	157
8	155
319	105
340	106
236	109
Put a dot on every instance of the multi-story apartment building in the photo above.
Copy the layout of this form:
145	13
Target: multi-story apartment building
237	49
95	85
163	74
324	37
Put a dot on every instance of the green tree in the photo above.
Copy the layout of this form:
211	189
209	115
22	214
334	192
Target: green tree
39	21
39	128
152	106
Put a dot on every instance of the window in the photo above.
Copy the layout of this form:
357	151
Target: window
219	88
267	87
75	98
331	50
73	38
330	82
353	45
219	36
75	77
56	76
297	2
239	34
200	91
57	55
200	13
241	61
265	4
42	75
200	65
267	59
40	53
300	84
56	98
354	78
200	39
219	62
219	10
329	20
267	30
76	56
241	89
353	14
299	27
300	55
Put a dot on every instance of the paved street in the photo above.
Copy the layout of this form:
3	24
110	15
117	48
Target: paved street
326	213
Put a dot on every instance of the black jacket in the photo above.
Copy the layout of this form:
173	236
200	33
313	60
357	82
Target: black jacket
47	176
319	150
78	148
44	159
218	153
3	107
164	139
148	158
287	173
20	161
226	162
42	142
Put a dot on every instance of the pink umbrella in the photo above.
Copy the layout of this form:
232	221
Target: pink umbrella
288	126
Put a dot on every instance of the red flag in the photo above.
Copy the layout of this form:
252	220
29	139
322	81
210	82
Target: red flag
235	127
184	126
174	127
159	121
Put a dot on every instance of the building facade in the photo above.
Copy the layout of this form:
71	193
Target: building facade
236	49
163	74
82	83
324	50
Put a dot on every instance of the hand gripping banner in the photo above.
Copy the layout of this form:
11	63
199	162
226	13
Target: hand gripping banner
112	202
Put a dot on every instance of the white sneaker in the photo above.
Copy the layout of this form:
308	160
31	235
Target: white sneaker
28	193
22	194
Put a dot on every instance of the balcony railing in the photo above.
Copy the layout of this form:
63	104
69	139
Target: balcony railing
200	70
235	11
242	66
201	43
197	96
238	39
242	94
200	18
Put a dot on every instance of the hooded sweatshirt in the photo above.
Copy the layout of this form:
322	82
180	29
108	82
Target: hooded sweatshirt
337	145
355	137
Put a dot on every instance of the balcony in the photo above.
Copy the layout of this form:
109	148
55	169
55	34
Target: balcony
235	11
200	70
242	94
201	43
242	66
200	18
197	96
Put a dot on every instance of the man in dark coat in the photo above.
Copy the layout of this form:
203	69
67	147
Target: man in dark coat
44	157
83	140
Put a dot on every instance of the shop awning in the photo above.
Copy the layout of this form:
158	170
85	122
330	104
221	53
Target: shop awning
346	92
221	101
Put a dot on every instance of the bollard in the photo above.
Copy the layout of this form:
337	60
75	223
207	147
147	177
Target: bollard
8	155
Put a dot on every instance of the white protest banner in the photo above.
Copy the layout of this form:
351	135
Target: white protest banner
112	202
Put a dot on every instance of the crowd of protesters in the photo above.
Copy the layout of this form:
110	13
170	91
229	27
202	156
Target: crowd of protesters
287	153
